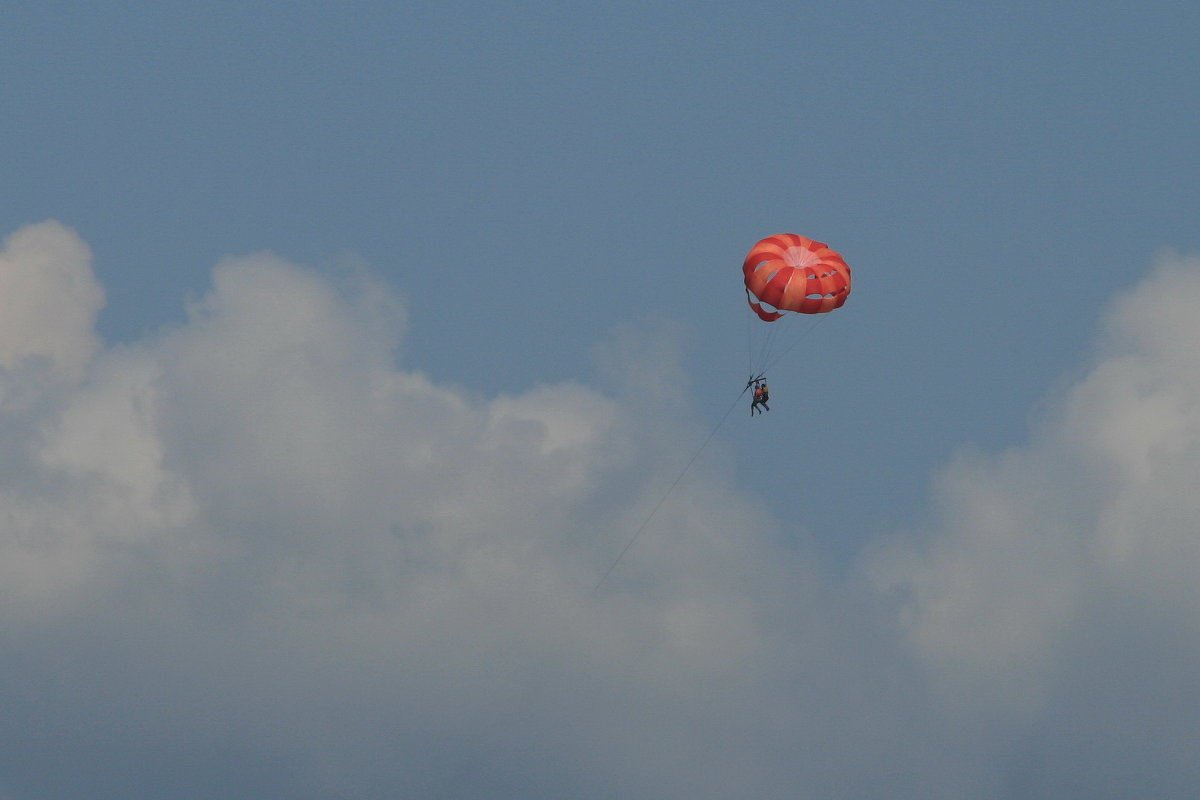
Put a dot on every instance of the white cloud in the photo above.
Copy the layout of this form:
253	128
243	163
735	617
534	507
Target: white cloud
48	299
1063	562
254	550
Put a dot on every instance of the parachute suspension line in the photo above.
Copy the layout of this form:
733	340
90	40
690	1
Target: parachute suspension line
768	344
787	331
760	343
667	493
775	359
750	343
761	339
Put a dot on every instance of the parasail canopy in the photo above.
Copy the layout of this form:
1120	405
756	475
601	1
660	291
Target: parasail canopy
787	272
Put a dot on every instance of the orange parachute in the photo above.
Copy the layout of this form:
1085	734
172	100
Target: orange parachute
793	273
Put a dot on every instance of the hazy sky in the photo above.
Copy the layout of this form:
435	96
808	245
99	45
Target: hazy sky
343	347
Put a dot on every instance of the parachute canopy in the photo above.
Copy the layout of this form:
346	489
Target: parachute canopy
793	273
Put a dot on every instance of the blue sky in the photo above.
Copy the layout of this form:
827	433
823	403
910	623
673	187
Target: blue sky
471	217
530	177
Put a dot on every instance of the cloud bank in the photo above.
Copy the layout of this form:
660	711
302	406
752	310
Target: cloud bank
251	556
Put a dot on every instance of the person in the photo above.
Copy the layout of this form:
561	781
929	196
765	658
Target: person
758	399
765	396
